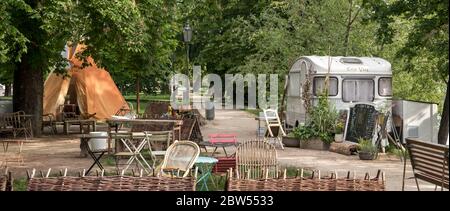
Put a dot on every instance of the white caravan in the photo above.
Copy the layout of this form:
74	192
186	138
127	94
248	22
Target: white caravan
2	90
352	81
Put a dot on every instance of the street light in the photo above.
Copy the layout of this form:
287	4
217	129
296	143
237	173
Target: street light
187	35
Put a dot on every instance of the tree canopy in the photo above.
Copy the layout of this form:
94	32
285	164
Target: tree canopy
141	40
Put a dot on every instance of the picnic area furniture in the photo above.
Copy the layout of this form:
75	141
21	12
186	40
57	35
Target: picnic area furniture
114	125
157	110
17	123
82	123
315	182
260	129
49	121
137	182
190	130
429	162
274	127
159	142
180	158
69	112
91	145
220	141
254	159
133	150
205	166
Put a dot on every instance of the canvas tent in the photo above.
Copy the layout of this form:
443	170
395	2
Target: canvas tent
91	88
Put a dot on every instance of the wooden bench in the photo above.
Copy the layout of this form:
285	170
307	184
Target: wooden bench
429	162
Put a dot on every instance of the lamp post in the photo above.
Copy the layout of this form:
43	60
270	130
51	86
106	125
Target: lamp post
187	35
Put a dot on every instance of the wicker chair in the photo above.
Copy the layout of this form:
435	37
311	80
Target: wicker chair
256	160
180	158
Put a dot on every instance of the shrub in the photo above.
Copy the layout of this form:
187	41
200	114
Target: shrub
366	146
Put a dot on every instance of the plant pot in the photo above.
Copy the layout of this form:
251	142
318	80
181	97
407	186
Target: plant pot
314	144
339	138
291	142
366	155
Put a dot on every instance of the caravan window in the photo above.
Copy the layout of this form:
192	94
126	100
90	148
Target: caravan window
319	85
385	87
358	90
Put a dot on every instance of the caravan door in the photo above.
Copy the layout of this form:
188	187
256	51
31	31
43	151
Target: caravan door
295	110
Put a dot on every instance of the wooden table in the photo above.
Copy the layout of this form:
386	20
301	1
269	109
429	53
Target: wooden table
116	123
81	122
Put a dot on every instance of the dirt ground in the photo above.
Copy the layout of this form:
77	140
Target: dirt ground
60	152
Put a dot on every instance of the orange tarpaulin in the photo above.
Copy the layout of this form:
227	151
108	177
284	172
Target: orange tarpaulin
95	91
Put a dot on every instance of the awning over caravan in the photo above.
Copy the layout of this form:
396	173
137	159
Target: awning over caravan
94	89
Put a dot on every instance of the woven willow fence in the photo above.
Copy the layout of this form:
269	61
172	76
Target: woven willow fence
311	183
109	183
5	180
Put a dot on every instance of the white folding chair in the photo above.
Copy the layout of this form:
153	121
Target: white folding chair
274	127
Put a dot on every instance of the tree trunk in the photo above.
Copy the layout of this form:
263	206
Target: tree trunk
138	95
443	129
348	28
29	92
7	90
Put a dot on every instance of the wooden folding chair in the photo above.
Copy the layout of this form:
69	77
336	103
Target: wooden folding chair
275	129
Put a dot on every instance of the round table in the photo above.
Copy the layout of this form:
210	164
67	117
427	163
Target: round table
205	165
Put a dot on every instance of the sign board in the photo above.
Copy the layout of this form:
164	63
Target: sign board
361	123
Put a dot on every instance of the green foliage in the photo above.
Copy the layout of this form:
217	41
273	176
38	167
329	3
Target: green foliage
305	132
339	127
321	122
415	37
367	146
20	184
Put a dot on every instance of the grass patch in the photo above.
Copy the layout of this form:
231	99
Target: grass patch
109	160
392	150
145	100
253	111
5	98
150	98
20	184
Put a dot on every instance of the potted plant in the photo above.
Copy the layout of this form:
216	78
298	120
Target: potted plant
311	138
367	150
339	132
291	140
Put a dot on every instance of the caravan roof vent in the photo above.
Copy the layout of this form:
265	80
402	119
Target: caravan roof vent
351	61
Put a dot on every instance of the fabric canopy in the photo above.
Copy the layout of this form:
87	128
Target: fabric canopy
91	87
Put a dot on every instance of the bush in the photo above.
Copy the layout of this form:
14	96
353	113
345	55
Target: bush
321	123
